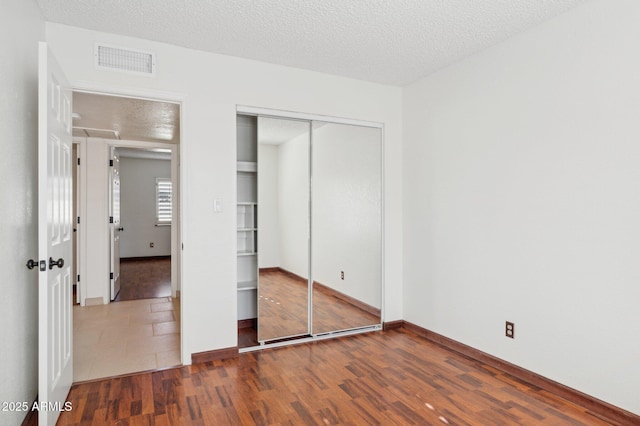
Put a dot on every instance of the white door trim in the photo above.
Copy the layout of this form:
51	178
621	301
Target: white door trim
81	236
249	110
178	233
175	182
136	93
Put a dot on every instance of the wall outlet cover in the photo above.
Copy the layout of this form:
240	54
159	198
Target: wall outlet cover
510	329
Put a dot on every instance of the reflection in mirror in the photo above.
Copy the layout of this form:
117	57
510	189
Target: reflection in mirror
346	226
283	223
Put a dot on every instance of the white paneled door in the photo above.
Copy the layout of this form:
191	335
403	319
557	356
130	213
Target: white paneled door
55	232
114	219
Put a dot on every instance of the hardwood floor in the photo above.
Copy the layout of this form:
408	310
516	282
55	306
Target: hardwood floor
283	308
144	278
386	377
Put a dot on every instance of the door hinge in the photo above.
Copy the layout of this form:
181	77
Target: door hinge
111	276
110	219
78	278
78	221
78	161
110	163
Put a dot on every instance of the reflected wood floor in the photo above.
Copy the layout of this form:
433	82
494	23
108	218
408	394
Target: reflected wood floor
144	278
388	377
331	313
283	308
282	305
247	337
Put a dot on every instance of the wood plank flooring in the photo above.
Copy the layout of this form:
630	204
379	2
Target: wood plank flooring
144	278
387	377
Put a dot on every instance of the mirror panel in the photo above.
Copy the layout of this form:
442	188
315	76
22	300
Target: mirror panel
346	226
283	223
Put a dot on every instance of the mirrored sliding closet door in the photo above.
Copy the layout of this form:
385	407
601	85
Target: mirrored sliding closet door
283	220
309	226
346	227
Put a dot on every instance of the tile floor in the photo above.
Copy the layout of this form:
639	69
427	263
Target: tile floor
125	337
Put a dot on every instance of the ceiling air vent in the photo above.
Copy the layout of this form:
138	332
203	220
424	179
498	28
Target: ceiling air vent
127	60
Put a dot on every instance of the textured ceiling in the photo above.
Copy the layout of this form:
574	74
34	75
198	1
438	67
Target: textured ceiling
276	131
146	154
132	119
387	41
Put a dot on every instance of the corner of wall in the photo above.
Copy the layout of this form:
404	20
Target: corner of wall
23	24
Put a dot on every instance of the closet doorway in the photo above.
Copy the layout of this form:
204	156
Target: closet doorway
309	227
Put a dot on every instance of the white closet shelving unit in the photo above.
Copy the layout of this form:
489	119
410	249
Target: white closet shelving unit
247	215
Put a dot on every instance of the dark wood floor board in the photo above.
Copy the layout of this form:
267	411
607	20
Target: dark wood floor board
144	278
390	377
514	382
457	410
430	403
527	414
455	418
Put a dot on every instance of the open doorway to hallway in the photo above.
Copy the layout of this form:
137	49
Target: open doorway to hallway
144	224
128	317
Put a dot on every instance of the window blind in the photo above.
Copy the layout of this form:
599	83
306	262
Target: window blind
163	201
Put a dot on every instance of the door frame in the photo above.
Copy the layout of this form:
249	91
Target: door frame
178	179
81	210
175	183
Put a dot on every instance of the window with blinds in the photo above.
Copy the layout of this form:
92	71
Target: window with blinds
163	201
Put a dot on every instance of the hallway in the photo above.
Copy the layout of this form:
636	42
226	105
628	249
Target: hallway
125	337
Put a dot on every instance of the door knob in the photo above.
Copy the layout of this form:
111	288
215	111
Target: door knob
59	263
32	263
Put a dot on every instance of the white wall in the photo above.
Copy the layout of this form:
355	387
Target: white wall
268	200
94	280
346	214
293	204
21	27
212	86
521	200
138	208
